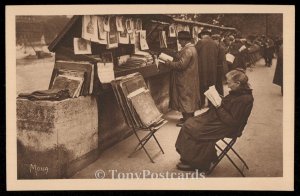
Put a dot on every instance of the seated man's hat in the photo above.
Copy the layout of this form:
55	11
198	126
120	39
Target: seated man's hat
204	32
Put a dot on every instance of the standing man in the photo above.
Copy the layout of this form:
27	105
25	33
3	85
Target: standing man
269	52
220	64
239	60
207	51
184	85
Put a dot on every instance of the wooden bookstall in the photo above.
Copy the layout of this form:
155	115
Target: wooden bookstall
112	127
96	114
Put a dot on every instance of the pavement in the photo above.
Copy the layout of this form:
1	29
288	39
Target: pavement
260	145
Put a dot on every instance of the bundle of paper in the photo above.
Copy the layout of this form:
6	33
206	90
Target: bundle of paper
145	55
164	57
213	96
123	59
139	59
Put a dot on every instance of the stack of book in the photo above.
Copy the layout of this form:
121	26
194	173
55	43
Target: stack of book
139	59
70	80
136	102
77	77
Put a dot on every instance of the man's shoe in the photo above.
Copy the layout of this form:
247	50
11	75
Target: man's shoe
184	167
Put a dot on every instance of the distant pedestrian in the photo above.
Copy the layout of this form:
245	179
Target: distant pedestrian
278	76
269	51
239	60
277	44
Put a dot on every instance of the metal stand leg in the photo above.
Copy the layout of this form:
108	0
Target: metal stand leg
237	155
158	144
141	144
224	153
233	163
220	157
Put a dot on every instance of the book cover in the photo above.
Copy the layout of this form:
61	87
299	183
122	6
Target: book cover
164	57
213	96
71	83
145	107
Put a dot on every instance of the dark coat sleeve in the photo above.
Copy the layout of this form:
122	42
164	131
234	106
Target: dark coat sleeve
183	61
237	114
221	56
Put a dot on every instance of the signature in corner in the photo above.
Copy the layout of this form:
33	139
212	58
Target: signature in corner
33	168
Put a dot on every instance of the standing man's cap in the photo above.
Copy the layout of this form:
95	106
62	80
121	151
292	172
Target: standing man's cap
184	35
231	37
204	32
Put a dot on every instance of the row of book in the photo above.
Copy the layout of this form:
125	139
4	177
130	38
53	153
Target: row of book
136	60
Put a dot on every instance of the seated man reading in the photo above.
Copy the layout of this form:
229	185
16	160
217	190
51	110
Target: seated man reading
198	136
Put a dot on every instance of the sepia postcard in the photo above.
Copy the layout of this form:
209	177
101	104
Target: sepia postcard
217	114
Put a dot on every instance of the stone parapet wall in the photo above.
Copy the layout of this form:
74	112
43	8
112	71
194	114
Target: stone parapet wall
52	135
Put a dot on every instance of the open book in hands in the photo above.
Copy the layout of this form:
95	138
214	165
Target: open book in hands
164	57
213	96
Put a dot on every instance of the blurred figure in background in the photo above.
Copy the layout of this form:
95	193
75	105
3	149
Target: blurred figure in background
278	76
207	51
277	44
220	64
269	51
234	49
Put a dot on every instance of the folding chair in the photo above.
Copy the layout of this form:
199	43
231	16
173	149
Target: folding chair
126	89
145	139
224	152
